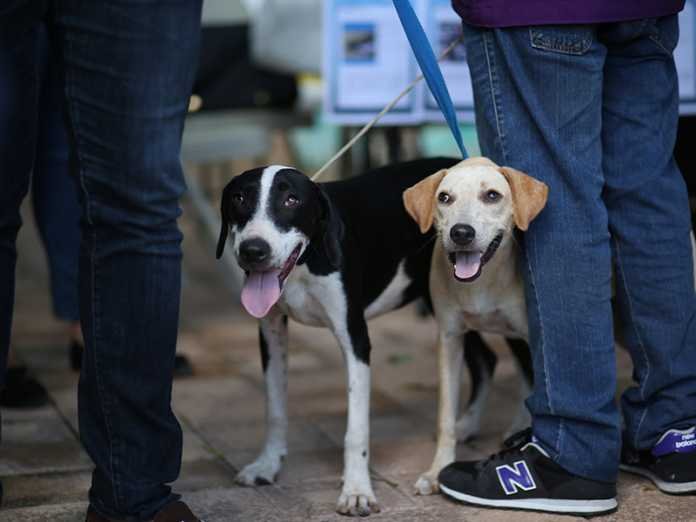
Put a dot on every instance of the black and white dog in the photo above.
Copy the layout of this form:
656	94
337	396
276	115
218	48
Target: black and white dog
334	255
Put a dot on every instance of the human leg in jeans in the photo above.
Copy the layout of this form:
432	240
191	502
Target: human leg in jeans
538	99
57	207
20	389
129	68
18	107
57	215
554	134
649	219
55	195
542	107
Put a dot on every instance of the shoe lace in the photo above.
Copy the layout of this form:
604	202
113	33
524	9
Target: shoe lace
512	443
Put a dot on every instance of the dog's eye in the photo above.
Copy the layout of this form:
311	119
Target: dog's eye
238	199
492	196
291	201
444	197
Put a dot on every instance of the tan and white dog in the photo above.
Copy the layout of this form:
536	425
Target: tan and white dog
475	281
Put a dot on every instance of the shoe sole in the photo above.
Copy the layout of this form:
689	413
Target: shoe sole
547	505
672	488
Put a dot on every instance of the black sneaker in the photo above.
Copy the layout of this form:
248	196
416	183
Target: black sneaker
670	464
522	476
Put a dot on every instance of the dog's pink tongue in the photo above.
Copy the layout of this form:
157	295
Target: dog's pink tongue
467	264
261	291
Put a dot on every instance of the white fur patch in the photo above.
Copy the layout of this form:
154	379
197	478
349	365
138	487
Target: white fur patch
267	465
314	300
357	496
393	294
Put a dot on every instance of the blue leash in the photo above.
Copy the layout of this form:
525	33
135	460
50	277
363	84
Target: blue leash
431	70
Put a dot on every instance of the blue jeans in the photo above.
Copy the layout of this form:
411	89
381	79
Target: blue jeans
128	70
592	112
54	190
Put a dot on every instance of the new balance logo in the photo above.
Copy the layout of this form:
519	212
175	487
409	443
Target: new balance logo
685	444
514	479
675	441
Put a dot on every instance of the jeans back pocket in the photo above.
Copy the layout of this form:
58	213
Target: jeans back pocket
567	39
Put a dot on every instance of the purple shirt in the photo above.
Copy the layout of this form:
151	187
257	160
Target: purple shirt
507	13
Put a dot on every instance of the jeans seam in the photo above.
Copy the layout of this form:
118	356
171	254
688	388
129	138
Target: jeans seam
93	296
559	437
492	80
656	40
640	341
542	338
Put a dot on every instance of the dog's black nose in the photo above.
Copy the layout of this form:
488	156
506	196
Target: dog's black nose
462	234
254	251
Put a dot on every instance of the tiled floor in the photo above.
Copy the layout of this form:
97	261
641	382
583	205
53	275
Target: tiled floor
46	473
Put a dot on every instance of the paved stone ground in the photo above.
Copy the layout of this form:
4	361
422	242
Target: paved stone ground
46	473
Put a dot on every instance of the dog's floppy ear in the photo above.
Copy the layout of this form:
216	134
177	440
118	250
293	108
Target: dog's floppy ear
419	200
332	230
224	226
528	196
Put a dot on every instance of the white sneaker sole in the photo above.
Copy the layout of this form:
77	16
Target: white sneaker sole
584	507
675	488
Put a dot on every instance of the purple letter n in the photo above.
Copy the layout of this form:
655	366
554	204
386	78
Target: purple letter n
514	479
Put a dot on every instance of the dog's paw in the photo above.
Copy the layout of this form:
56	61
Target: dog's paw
261	472
426	484
357	503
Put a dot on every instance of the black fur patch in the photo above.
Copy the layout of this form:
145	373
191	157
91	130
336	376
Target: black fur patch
305	216
379	233
314	215
357	330
265	356
238	204
520	350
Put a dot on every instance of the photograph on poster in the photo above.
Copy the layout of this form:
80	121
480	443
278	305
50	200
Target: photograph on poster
359	42
368	61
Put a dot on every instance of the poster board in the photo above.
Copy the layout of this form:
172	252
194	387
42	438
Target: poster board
367	62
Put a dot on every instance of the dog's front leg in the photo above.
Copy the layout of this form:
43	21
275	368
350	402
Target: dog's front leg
357	496
450	363
273	338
